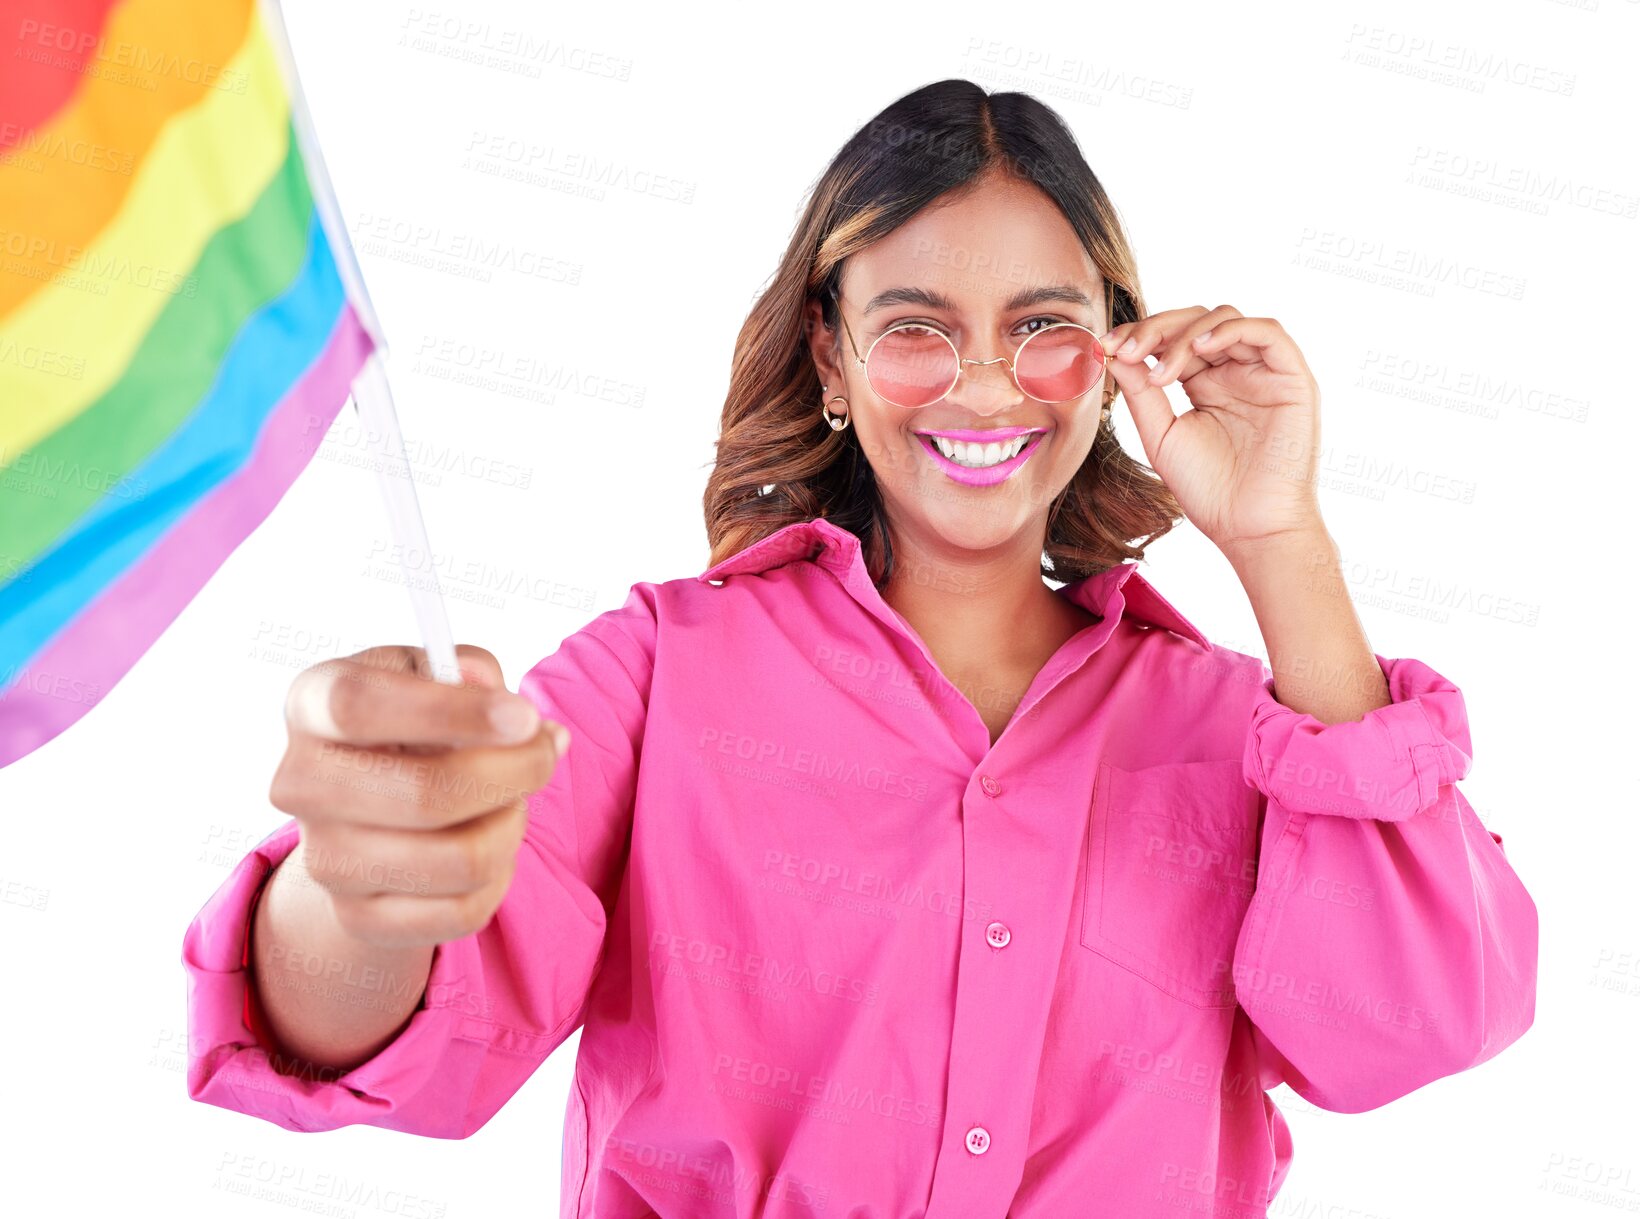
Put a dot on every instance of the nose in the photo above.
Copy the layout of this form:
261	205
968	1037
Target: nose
987	395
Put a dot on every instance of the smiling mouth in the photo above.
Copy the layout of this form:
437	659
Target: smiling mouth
977	456
971	449
980	463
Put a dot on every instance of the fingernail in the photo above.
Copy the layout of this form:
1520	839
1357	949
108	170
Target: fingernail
560	739
1159	373
1127	348
514	718
1205	337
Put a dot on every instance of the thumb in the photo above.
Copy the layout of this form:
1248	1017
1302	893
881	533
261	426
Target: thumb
479	667
1148	403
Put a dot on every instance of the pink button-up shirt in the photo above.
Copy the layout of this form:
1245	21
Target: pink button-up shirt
834	953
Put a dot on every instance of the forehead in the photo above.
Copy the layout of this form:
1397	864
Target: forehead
978	248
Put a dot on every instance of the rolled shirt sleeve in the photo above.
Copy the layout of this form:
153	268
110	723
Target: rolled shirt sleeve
1389	942
497	1002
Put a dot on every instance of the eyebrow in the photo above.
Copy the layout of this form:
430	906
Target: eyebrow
1023	299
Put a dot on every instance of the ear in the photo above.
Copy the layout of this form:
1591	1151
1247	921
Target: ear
825	347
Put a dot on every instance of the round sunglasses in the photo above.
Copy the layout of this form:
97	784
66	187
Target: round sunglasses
914	365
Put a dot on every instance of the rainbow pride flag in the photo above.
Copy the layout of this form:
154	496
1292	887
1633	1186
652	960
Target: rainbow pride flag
180	321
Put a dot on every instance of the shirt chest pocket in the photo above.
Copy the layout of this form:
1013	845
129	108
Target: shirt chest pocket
1169	874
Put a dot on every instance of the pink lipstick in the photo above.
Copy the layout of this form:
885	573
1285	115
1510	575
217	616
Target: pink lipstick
979	476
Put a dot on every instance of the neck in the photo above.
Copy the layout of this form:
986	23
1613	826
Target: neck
987	606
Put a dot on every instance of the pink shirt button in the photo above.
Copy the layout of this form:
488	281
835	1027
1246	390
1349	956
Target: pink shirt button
989	786
997	935
977	1140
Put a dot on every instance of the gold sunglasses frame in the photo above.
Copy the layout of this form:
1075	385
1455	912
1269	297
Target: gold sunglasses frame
1008	360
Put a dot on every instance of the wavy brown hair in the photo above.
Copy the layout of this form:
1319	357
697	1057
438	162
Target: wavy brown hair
778	462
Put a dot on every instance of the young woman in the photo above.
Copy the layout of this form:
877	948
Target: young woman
884	879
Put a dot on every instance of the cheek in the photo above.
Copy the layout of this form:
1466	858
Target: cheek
888	444
1072	443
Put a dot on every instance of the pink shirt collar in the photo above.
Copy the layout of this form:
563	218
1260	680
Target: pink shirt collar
835	548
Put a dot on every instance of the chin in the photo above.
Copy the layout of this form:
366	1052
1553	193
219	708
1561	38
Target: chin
976	525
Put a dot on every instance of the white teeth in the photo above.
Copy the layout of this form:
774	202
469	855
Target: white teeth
980	455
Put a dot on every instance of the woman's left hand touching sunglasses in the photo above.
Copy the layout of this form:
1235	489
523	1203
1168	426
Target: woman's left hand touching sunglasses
1242	463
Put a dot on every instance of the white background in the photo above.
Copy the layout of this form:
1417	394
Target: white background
1450	239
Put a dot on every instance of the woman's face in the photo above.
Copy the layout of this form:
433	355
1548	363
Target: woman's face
961	266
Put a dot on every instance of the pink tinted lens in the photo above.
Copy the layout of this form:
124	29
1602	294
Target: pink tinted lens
912	366
1059	363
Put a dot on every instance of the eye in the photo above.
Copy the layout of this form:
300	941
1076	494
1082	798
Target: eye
1046	322
1035	324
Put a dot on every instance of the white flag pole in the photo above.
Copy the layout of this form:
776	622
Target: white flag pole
372	396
